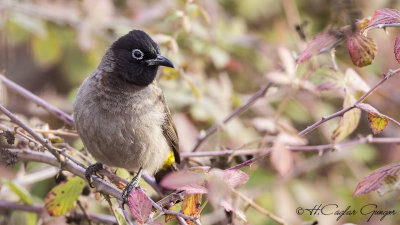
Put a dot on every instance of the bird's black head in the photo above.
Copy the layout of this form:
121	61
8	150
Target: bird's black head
137	57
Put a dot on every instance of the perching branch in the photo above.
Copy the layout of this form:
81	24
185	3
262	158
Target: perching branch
259	94
346	109
104	219
101	186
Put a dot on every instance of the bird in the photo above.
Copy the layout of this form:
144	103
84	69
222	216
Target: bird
121	114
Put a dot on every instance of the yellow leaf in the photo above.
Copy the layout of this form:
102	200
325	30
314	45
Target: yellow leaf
377	123
349	122
61	198
191	205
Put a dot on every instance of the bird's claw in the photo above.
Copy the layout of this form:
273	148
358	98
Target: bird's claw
92	169
130	186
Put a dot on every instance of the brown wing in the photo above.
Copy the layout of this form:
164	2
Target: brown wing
169	131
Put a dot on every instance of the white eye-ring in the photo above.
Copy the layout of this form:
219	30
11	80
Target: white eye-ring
137	54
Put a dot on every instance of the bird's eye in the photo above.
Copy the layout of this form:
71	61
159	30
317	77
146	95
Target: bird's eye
137	54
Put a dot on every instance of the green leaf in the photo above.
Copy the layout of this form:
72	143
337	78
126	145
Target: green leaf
25	198
21	192
349	122
61	199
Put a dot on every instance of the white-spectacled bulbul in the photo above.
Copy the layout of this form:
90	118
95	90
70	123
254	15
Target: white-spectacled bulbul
121	114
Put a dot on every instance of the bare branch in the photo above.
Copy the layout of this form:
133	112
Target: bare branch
36	99
344	110
259	94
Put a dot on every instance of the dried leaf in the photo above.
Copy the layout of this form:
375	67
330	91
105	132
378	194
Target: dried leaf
327	79
235	178
140	205
191	205
61	198
377	178
397	48
218	189
281	158
184	180
321	43
362	49
349	122
382	17
353	80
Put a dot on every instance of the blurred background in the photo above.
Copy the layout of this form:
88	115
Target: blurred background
224	51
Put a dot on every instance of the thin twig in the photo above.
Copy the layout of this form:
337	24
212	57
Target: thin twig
84	212
259	208
30	96
344	110
104	219
259	94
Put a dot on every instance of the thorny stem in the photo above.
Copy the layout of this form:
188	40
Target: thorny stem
259	94
346	109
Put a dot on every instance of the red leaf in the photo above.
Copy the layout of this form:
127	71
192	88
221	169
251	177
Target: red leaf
140	205
235	178
362	49
383	16
397	48
375	180
321	43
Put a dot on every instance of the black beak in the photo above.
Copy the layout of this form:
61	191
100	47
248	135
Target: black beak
160	61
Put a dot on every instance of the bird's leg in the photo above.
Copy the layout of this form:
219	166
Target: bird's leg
92	169
131	185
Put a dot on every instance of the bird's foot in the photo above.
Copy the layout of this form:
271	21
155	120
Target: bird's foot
92	169
131	185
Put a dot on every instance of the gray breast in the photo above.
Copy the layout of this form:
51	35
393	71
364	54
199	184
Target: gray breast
121	128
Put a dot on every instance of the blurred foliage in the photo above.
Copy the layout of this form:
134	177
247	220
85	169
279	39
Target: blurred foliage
224	51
